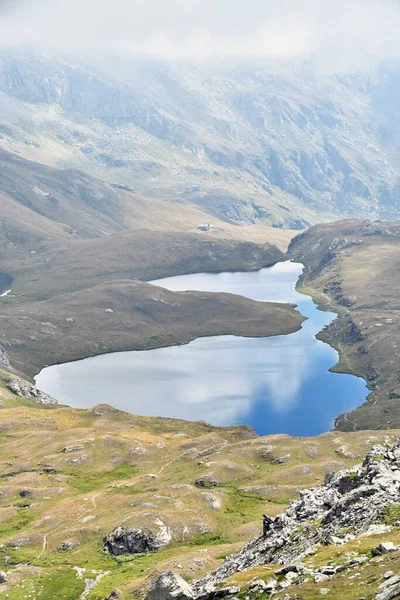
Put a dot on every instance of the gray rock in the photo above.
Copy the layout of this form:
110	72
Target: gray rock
170	586
4	358
131	541
389	589
207	481
66	546
68	449
3	577
384	548
23	389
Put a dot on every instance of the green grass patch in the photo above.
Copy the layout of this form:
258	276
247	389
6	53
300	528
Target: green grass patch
62	584
244	507
18	522
89	481
391	514
209	539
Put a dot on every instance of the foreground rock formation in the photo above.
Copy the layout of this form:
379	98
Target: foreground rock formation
362	500
348	503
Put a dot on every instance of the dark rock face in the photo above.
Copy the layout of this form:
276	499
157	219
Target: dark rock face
347	504
130	541
115	595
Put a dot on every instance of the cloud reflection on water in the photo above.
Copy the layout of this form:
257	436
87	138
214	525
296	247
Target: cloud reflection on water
278	384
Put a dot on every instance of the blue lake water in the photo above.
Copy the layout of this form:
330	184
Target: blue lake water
279	384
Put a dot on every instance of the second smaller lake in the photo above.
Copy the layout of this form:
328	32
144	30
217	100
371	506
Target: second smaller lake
278	384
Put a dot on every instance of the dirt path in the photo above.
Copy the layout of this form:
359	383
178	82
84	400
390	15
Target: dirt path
347	421
44	546
345	357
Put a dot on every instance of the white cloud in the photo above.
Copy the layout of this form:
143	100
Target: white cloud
171	29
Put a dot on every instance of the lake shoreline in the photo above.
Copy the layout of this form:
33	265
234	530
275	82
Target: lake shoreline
201	344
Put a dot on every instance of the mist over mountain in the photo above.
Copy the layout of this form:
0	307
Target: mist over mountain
289	143
286	113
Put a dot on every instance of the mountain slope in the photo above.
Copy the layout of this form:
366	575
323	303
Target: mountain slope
44	208
287	144
352	267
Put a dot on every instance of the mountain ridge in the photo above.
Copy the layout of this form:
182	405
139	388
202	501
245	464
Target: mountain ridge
290	145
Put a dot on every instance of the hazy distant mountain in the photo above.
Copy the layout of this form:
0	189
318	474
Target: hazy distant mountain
291	145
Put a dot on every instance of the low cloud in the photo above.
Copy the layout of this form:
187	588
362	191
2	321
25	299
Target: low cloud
334	30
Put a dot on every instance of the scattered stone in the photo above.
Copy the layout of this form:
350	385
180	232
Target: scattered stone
258	584
320	578
388	575
170	586
3	577
324	591
384	548
305	470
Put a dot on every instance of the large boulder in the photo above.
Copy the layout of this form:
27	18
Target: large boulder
384	548
170	586
131	541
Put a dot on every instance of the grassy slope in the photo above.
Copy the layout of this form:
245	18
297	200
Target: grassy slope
361	283
134	470
142	254
43	208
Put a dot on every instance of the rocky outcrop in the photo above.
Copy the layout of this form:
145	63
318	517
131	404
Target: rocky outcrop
134	541
4	358
23	389
170	586
389	589
349	503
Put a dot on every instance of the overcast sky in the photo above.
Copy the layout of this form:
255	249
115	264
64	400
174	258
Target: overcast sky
333	29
